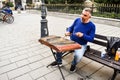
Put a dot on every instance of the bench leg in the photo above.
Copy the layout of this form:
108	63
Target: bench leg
114	74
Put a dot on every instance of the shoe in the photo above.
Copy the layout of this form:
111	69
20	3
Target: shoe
56	64
73	68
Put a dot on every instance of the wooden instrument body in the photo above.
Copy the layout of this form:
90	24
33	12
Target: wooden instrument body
59	44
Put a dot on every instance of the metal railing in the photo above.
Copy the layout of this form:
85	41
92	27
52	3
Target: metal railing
99	10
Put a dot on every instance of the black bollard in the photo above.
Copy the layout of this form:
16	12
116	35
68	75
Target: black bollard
44	27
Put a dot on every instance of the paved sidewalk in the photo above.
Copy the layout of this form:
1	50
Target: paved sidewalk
22	57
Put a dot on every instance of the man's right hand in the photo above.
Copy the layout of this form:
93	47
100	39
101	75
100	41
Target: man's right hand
67	34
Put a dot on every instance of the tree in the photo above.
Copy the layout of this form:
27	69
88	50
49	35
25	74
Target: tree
75	1
54	1
63	1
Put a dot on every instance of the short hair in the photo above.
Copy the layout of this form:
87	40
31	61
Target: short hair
88	10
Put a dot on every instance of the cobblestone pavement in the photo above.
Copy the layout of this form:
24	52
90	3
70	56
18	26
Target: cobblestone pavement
22	57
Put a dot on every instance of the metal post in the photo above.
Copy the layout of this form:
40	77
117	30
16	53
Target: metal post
44	27
92	6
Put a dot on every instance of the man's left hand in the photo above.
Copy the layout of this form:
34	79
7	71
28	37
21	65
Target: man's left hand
79	34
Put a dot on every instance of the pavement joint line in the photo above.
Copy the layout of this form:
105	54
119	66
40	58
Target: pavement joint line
85	64
24	66
27	59
17	51
96	70
15	46
26	72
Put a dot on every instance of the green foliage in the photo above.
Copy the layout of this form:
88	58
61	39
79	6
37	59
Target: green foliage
29	1
54	1
80	1
101	10
10	4
108	1
63	1
75	1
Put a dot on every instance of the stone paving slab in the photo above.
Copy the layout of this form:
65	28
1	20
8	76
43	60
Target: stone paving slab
22	57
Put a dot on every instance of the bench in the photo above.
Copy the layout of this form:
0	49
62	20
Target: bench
96	55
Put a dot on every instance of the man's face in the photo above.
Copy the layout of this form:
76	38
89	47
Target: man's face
85	15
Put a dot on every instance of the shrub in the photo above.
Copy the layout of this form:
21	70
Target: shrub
10	4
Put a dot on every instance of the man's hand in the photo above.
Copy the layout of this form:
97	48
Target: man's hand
67	34
79	34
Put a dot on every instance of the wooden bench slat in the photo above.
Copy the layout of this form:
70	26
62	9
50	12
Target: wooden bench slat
100	37
100	43
106	61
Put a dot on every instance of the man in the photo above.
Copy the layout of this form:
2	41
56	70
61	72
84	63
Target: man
81	31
